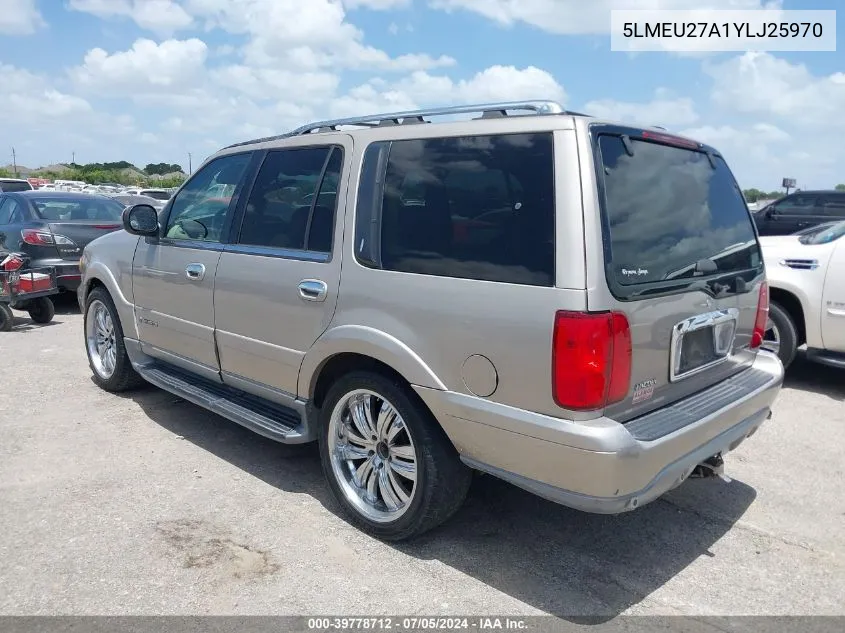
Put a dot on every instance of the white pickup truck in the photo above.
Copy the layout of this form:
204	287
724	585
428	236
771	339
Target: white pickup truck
806	274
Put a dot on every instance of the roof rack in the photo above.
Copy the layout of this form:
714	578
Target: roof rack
411	117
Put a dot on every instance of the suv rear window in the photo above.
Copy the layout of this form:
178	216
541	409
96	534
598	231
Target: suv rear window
671	214
10	186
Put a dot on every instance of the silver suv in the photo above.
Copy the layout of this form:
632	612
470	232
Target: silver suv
573	305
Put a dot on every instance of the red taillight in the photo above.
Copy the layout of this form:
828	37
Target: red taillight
670	139
762	317
11	263
38	238
591	359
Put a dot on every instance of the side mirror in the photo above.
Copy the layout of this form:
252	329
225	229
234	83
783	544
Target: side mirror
140	219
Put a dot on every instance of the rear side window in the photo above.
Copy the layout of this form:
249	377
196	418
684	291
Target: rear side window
834	206
479	207
671	214
293	200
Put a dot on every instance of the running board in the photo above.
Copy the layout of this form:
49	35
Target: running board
826	357
272	420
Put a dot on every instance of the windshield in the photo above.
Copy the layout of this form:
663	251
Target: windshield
64	209
823	234
10	186
672	214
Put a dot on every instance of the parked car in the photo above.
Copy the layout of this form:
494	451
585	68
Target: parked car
129	200
807	280
528	313
14	184
801	210
159	194
52	228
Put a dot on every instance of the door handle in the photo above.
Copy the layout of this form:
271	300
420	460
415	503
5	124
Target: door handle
313	290
195	272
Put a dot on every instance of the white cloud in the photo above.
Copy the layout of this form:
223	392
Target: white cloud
147	66
494	84
760	83
579	16
665	109
306	35
49	124
279	84
20	17
377	5
159	16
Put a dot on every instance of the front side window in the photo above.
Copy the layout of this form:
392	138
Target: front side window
293	200
200	208
479	207
796	205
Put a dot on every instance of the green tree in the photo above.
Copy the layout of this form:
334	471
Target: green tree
5	173
753	195
840	187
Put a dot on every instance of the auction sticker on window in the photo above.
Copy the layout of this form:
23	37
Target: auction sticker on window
710	30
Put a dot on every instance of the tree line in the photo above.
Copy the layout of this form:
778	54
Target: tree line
120	172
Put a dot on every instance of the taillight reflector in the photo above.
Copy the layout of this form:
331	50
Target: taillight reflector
762	318
591	359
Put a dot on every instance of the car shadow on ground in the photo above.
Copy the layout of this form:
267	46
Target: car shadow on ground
554	559
816	378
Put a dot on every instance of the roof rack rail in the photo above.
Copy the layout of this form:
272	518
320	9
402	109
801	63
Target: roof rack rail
487	110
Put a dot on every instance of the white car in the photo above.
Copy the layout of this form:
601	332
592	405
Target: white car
806	274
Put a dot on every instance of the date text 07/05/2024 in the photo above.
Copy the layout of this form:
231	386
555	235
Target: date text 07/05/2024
704	30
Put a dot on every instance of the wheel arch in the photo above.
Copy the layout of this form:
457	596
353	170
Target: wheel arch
793	306
100	276
351	346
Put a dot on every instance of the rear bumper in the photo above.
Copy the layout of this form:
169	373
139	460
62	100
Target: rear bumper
603	466
68	276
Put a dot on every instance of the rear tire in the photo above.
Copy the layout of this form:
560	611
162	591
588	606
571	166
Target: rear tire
104	345
41	310
784	331
396	474
7	319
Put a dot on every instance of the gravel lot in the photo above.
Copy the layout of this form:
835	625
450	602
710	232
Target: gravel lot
145	504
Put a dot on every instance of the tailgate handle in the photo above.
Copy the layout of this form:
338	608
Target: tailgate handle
195	272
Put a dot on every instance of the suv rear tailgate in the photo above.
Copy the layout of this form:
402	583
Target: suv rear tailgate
679	257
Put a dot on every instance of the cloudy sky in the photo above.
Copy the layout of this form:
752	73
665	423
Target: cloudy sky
151	80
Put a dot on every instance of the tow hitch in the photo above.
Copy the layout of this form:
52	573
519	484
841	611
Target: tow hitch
711	467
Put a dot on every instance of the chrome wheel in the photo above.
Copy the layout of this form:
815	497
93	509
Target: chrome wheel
100	339
372	455
771	341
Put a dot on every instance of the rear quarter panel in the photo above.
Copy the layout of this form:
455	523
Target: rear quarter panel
427	327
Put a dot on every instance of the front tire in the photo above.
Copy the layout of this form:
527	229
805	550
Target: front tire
781	335
387	461
104	344
41	310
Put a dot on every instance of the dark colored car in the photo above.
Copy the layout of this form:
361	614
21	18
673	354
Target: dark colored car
800	210
53	227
